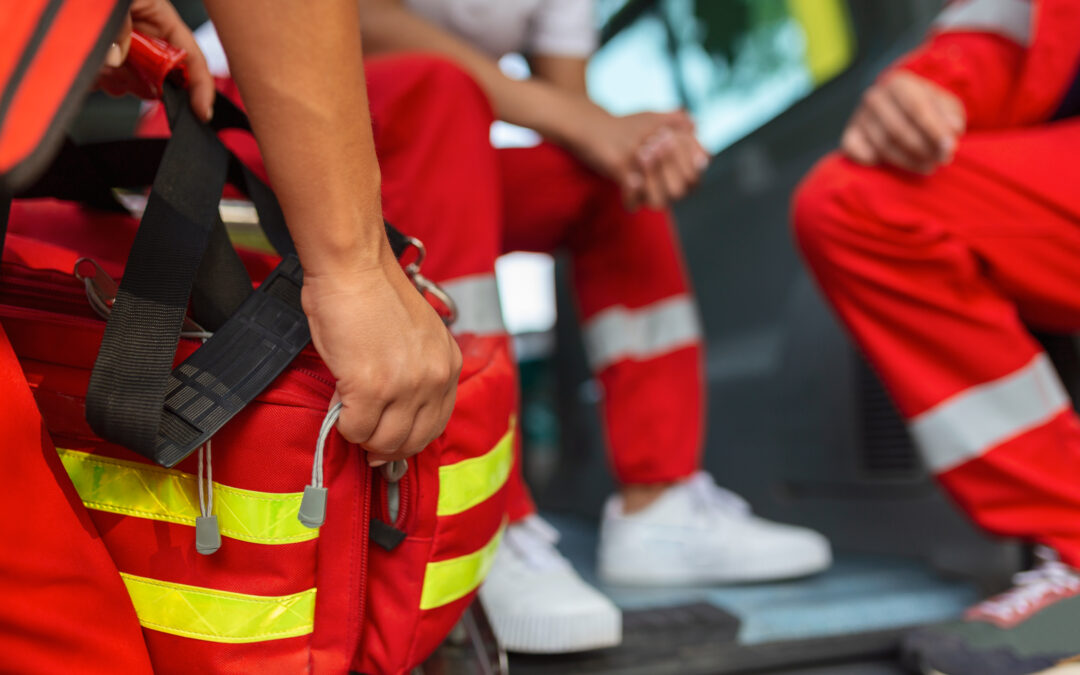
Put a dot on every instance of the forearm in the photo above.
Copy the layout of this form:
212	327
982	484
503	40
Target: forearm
299	67
388	27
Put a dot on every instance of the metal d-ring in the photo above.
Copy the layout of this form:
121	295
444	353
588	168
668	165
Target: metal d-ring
425	285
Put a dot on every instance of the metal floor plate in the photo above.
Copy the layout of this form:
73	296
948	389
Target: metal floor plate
854	612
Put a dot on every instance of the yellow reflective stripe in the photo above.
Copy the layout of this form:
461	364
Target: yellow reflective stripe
219	616
469	482
448	580
145	491
830	40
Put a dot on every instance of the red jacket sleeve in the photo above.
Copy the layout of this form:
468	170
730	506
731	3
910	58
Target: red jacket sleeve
982	69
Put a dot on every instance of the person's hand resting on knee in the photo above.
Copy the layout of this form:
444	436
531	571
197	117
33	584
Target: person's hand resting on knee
653	157
907	122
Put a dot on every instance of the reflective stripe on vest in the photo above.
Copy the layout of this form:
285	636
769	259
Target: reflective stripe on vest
145	491
1012	19
219	616
469	482
979	419
642	333
448	580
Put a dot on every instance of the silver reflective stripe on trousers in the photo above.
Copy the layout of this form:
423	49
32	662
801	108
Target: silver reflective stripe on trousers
477	300
643	333
1009	18
982	417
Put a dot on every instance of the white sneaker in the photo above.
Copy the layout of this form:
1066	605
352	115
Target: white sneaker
537	603
699	533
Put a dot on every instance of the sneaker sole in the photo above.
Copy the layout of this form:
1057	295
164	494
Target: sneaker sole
558	635
775	570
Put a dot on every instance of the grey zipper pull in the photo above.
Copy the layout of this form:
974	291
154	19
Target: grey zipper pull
207	533
313	504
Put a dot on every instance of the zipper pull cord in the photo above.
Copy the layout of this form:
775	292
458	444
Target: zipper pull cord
207	533
313	505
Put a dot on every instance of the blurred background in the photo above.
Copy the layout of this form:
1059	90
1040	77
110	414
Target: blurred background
797	423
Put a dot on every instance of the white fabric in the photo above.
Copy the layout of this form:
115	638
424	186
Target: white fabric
477	300
537	27
210	44
700	533
1012	19
982	417
532	540
642	333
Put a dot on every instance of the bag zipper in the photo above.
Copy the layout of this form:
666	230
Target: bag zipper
394	500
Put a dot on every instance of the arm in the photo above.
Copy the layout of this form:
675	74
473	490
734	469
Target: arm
914	115
564	72
300	70
554	103
390	27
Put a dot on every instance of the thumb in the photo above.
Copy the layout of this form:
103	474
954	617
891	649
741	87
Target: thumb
118	50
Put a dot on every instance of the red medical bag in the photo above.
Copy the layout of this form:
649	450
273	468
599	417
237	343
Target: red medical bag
378	585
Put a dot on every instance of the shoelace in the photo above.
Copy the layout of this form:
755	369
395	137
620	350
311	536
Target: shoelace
1049	577
710	497
533	541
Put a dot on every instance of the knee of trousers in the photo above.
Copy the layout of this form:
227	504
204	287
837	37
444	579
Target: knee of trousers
439	87
832	213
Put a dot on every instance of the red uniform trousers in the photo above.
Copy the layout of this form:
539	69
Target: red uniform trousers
939	278
639	319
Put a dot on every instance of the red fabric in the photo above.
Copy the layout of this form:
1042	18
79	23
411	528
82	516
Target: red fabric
431	125
1003	83
64	604
937	278
47	83
367	613
653	408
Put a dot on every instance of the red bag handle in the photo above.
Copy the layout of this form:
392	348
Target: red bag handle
149	63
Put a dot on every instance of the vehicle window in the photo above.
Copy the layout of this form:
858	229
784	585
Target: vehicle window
733	64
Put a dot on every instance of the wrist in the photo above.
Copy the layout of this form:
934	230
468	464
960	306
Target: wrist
566	118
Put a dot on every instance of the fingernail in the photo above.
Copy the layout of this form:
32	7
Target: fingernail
633	180
701	162
376	463
113	57
209	113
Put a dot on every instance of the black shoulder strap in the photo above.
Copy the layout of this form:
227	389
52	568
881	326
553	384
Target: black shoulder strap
135	398
127	386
